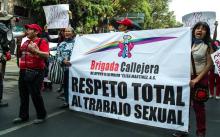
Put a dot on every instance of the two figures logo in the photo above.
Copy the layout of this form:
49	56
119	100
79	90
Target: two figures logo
125	47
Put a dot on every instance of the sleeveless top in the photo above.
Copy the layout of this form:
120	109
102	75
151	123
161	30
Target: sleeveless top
199	52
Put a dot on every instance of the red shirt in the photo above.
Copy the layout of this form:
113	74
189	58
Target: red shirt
29	60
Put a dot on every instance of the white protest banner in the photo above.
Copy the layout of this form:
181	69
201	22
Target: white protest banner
57	16
138	76
216	59
189	20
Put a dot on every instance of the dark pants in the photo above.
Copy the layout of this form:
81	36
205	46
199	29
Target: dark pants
214	78
32	88
1	86
2	72
66	85
200	112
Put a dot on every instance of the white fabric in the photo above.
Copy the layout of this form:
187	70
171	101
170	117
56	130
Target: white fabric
149	83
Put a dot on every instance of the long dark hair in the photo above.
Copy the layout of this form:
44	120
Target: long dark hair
61	36
207	37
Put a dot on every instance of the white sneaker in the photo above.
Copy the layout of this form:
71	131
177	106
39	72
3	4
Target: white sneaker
46	79
39	120
217	97
210	96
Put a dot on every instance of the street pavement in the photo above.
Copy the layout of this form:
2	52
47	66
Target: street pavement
68	123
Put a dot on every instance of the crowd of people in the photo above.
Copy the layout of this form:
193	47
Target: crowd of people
33	53
33	57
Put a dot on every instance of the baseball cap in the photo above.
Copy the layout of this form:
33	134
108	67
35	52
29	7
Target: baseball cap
126	22
34	26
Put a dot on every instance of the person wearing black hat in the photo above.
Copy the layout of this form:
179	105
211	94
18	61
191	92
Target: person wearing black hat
32	54
5	32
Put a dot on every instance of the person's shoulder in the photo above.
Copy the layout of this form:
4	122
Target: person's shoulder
43	40
62	43
71	41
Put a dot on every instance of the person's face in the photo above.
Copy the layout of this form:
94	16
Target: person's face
122	27
200	32
110	27
31	33
68	33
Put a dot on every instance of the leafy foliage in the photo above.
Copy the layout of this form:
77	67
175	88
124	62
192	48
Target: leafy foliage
36	9
133	6
161	17
90	13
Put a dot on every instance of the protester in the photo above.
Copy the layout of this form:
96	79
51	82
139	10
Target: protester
125	25
4	49
214	78
110	26
61	32
201	54
2	71
32	54
57	40
64	51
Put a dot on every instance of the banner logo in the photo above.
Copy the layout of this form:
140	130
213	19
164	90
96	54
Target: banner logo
125	47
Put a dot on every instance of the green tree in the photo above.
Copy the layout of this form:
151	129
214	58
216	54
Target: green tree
160	16
132	6
36	9
90	13
157	14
